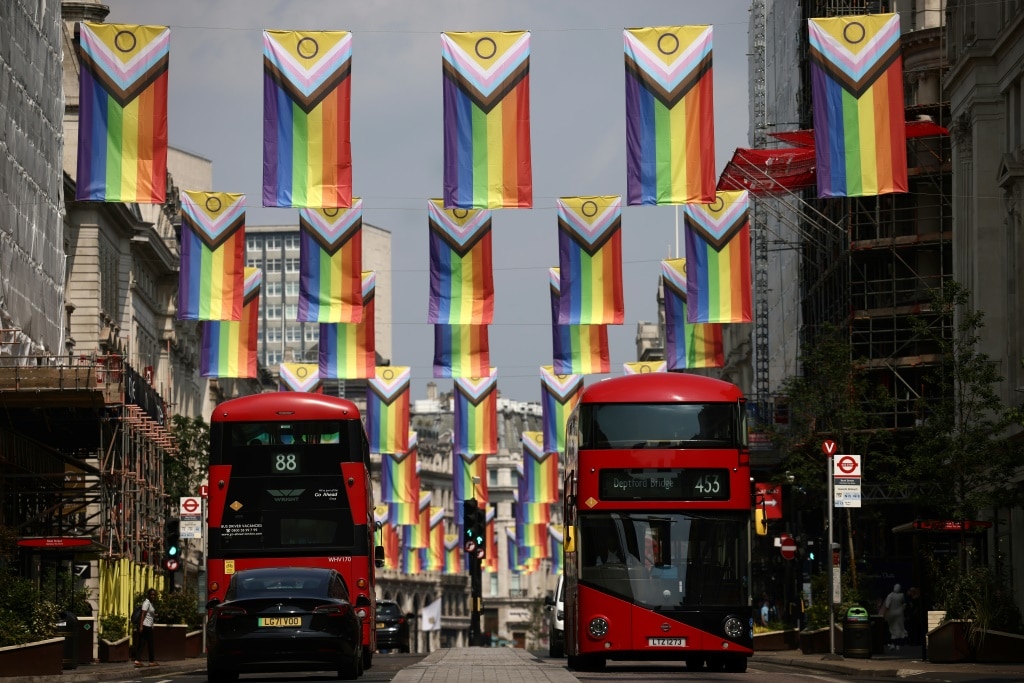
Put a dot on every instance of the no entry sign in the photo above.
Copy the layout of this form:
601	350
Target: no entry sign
788	547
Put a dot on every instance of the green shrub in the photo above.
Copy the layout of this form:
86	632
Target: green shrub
25	616
977	594
113	627
181	607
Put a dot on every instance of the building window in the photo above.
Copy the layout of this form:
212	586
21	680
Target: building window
493	584
291	265
312	333
273	265
293	334
252	262
273	243
291	288
252	243
273	288
273	311
291	311
273	334
273	358
291	242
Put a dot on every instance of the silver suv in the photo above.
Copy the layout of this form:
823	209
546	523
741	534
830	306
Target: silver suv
556	620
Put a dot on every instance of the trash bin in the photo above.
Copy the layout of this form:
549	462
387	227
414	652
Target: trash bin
68	627
857	634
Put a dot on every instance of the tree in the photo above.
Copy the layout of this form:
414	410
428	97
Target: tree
832	398
962	445
185	469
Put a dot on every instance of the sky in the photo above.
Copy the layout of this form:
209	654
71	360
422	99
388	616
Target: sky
577	100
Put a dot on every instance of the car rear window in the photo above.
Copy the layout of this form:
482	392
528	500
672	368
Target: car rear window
387	610
256	587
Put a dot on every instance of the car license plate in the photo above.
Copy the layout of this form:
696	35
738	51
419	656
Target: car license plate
380	624
666	642
280	621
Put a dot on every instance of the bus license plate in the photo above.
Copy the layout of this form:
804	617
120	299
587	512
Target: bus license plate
280	621
666	642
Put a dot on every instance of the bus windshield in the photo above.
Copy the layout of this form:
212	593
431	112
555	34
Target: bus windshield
660	425
666	560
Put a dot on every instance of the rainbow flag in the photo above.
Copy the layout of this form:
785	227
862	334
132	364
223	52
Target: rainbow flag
413	559
228	348
644	367
211	278
486	78
670	117
300	377
581	349
387	536
466	466
122	113
461	351
452	554
590	261
687	345
348	350
555	533
331	265
540	470
718	284
400	483
490	562
387	409
418	535
860	139
475	419
435	542
461	271
559	395
307	145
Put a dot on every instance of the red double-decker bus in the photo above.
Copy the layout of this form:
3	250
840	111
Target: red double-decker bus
657	507
289	485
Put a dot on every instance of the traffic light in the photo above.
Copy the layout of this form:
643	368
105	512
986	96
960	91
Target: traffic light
172	543
474	525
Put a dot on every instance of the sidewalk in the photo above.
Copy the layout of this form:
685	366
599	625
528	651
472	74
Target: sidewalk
520	666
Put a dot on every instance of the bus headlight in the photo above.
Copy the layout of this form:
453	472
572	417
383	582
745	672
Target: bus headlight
732	626
598	627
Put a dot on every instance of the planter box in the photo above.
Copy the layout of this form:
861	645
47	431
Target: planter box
194	644
42	658
115	651
169	641
948	643
776	640
816	641
998	646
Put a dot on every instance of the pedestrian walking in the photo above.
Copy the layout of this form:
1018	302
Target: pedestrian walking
893	610
144	628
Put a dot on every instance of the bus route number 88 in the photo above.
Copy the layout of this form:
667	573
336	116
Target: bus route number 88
285	463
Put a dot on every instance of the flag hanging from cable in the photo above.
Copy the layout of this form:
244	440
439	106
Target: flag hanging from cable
718	284
228	348
452	554
330	264
860	137
486	77
559	395
670	117
461	271
590	261
580	349
307	147
461	351
644	367
475	414
387	409
300	377
348	350
211	276
435	541
122	113
540	470
687	345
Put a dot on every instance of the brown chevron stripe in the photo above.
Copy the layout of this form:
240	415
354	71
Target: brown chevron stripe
306	104
486	104
717	244
123	97
341	241
224	236
585	246
856	88
458	247
668	98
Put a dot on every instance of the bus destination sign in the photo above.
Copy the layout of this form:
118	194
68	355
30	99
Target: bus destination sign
664	484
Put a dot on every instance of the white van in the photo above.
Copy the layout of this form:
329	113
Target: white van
556	621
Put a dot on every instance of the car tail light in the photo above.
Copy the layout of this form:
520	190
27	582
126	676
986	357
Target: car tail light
361	613
401	620
231	612
331	610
